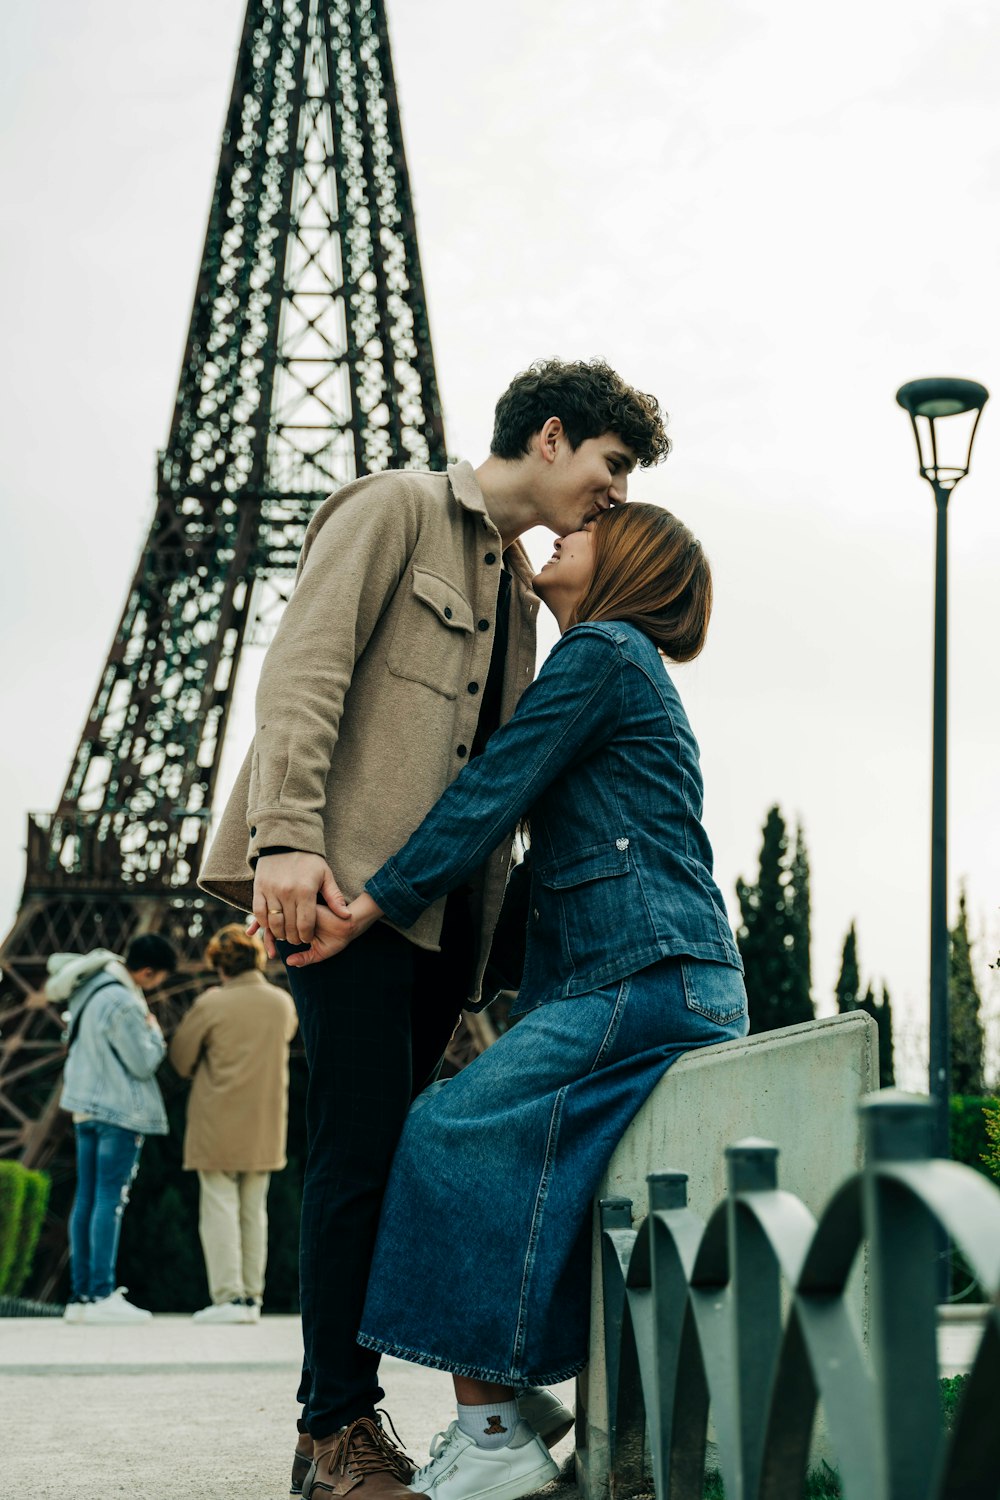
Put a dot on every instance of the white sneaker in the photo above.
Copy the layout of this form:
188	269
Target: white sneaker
113	1309
460	1470
543	1411
227	1312
73	1312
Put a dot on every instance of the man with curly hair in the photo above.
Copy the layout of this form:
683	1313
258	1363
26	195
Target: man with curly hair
409	638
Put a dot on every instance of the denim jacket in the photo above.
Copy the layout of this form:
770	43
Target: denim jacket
110	1068
600	755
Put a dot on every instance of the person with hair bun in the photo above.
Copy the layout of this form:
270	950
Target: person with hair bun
233	1043
630	962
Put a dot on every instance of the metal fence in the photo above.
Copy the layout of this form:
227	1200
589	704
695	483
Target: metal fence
747	1315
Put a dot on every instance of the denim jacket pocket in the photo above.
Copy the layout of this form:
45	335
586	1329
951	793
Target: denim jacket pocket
582	898
596	862
713	990
429	639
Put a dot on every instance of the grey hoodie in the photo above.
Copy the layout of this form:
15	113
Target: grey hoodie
110	1069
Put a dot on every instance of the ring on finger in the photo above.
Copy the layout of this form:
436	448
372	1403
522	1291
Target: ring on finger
275	911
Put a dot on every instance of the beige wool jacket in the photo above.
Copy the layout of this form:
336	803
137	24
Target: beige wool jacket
369	693
234	1041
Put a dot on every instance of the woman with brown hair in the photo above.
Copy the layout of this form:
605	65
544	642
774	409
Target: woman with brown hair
234	1041
483	1258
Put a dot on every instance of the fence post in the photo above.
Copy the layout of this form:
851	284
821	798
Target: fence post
617	1243
903	1241
756	1306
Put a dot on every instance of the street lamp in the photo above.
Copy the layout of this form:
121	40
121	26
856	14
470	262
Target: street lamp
933	404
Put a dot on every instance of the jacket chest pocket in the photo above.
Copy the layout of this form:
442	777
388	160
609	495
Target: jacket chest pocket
431	633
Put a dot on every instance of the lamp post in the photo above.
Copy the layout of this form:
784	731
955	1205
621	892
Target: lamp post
931	403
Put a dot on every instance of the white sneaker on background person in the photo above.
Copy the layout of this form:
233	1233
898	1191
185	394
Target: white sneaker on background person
73	1312
113	1309
235	1311
460	1470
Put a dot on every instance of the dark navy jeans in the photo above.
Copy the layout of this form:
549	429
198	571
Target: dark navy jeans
374	1022
107	1159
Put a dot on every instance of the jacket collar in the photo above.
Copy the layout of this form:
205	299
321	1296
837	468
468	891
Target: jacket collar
465	488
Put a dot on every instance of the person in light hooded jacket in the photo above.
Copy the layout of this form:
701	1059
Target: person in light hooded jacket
115	1047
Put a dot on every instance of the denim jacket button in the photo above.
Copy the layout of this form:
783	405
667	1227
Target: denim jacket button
621	843
536	913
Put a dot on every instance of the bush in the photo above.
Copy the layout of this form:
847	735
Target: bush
23	1198
36	1199
968	1135
969	1141
991	1156
12	1191
159	1257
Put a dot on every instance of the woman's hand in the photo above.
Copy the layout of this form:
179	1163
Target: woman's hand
333	933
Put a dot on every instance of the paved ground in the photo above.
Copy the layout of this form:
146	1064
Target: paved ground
173	1411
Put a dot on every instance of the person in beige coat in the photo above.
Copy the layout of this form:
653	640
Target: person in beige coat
233	1043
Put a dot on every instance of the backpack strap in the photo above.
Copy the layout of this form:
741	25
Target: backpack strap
75	1024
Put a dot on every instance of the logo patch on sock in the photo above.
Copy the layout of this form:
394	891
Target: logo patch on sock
495	1427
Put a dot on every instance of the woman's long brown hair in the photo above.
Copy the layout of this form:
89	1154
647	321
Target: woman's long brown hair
649	571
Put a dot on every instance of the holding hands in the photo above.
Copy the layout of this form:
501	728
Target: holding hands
334	930
296	899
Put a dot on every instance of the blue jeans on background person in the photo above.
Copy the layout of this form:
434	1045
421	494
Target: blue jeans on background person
107	1159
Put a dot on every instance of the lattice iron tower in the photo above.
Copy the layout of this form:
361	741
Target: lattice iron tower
308	361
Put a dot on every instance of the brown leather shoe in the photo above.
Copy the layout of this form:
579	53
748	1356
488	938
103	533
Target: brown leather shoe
360	1453
301	1461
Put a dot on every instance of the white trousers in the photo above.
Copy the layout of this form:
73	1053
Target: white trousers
232	1222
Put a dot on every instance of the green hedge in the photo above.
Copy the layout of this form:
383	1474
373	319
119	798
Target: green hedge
969	1141
23	1198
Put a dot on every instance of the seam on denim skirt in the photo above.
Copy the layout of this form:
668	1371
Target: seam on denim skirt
541	1194
616	1017
469	1372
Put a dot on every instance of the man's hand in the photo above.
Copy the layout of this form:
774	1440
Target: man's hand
334	932
285	892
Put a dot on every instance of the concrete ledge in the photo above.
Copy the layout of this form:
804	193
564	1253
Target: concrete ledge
798	1087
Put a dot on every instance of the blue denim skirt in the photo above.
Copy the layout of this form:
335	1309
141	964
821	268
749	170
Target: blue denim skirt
482	1264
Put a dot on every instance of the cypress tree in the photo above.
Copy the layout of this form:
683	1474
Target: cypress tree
774	931
849	982
848	991
966	1027
886	1061
801	913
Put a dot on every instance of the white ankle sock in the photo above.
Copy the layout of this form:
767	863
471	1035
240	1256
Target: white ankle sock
491	1426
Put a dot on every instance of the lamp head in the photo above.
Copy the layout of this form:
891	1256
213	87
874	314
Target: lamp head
932	401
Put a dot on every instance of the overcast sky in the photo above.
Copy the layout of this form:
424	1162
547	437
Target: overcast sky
769	214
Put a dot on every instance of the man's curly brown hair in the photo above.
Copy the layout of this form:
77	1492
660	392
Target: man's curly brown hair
589	398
